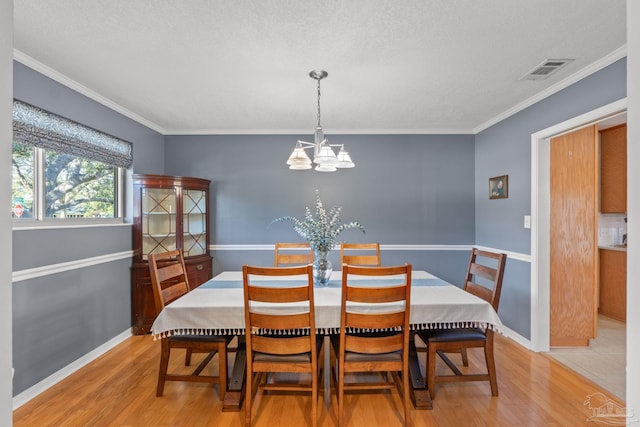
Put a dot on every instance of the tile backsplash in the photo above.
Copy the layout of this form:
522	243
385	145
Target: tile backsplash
611	228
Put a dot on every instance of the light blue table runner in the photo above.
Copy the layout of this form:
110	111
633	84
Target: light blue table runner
237	284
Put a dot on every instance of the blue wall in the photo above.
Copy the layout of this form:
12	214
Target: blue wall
60	317
505	149
405	190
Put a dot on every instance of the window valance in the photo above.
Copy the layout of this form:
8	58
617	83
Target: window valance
42	129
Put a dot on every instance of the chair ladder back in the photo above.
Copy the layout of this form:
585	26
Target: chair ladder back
479	291
280	346
168	277
393	318
280	321
254	292
387	320
494	275
276	295
360	254
376	295
373	345
292	254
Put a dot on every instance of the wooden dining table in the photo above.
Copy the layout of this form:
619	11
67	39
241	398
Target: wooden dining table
217	308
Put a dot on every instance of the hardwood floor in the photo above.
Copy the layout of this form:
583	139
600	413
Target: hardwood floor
118	389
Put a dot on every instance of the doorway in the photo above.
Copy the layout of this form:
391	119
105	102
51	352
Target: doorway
540	216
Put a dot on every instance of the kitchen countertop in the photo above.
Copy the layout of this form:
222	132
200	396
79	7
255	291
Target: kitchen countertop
621	248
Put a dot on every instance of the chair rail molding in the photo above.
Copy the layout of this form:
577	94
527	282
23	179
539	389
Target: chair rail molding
46	270
258	247
510	254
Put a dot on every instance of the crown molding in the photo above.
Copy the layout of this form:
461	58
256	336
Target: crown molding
609	59
25	59
72	84
326	131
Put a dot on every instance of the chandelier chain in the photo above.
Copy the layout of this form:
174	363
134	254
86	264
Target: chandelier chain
319	103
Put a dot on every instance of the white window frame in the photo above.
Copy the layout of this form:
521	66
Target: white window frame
39	220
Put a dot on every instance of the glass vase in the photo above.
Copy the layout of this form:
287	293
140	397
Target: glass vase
322	268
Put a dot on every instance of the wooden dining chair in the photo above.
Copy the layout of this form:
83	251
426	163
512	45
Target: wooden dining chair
169	281
374	333
289	254
360	254
280	338
483	279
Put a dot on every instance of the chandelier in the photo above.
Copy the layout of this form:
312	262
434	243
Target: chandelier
324	157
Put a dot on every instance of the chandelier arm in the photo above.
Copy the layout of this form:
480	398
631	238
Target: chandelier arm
304	144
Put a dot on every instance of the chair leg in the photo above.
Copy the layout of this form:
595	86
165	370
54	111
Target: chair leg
187	358
314	398
431	370
465	358
491	366
164	365
340	393
222	369
405	394
248	395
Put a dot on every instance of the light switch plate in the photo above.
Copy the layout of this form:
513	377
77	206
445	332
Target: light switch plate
527	221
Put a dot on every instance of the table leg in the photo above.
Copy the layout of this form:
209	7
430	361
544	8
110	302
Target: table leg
419	391
234	396
327	370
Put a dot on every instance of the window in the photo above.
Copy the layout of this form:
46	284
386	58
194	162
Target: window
64	170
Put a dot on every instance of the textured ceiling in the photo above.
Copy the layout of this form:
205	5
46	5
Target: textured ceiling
211	66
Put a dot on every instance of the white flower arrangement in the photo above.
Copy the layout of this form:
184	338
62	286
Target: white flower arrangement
320	230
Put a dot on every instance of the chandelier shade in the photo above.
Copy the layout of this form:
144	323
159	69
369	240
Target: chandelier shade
324	155
344	159
298	160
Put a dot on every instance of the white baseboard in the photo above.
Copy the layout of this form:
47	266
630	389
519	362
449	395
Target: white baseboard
63	373
513	335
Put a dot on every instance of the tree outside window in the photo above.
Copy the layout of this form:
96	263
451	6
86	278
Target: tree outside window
73	187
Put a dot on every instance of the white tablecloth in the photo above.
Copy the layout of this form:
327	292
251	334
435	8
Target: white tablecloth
217	307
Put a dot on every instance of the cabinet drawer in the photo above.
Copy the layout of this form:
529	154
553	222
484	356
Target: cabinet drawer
199	272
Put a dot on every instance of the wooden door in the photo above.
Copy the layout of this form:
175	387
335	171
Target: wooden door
574	256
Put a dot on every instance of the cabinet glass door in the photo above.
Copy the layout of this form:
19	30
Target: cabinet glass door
158	220
194	213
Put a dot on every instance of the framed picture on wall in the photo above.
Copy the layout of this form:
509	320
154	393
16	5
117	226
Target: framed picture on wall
499	187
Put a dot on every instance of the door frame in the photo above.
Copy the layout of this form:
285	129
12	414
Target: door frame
540	215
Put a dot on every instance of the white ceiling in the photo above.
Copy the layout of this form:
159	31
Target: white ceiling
395	66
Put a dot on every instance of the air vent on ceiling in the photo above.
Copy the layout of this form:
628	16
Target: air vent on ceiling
545	69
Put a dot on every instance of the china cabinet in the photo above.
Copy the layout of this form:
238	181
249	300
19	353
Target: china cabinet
169	212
